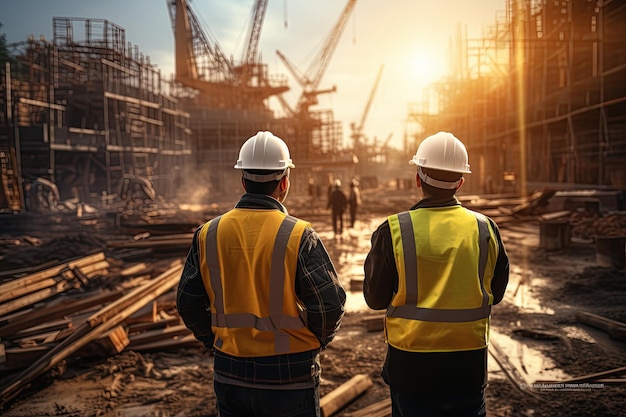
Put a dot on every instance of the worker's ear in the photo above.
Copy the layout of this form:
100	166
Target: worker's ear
243	184
418	180
283	184
460	183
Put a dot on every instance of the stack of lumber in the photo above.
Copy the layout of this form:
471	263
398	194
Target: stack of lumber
54	314
588	225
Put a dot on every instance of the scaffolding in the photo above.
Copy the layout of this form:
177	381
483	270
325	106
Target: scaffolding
86	112
540	99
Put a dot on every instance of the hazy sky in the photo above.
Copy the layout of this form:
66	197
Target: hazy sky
410	38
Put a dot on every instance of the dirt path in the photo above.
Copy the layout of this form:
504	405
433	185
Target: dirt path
534	329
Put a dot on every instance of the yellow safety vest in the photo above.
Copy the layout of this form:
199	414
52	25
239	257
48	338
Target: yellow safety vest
248	261
445	259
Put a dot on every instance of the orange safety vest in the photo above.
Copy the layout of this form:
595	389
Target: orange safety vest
248	261
445	259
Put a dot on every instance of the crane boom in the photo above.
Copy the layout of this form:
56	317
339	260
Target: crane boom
370	99
197	56
302	80
320	63
310	80
254	33
201	63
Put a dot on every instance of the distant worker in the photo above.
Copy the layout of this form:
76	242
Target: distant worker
437	269
312	193
259	288
337	204
354	200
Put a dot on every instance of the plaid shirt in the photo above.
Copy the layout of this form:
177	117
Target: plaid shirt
317	286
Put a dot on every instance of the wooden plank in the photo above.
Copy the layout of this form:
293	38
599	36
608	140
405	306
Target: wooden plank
94	269
55	309
35	331
20	357
379	409
135	269
589	377
159	334
36	286
109	344
50	272
29	269
356	284
146	314
615	329
375	323
340	397
94	327
35	297
168	344
159	324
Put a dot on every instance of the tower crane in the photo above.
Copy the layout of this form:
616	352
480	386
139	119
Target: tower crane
357	130
201	63
250	59
198	58
310	80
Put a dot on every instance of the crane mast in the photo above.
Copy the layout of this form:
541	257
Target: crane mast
310	80
201	63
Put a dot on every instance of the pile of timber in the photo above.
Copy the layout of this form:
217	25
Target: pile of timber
588	225
54	314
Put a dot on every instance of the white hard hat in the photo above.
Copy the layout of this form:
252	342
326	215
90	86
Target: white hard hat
264	151
442	151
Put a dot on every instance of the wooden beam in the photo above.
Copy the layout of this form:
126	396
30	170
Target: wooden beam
374	323
340	397
589	377
94	327
379	409
109	344
168	344
159	334
48	273
615	329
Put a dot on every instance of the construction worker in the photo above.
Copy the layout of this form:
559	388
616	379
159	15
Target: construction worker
337	203
354	200
259	289
437	269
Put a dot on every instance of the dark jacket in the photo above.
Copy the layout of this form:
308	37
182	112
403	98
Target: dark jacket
430	373
317	286
337	201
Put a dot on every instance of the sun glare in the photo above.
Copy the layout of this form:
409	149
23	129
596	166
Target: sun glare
427	65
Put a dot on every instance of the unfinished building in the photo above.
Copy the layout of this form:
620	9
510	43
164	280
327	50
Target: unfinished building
540	99
86	117
231	102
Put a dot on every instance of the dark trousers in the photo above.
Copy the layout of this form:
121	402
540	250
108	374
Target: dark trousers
352	214
236	401
411	405
338	222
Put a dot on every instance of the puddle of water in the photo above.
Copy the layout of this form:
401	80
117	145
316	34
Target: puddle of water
530	363
521	291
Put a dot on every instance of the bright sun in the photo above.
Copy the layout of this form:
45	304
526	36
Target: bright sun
428	65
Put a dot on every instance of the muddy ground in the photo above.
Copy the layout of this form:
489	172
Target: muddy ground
535	337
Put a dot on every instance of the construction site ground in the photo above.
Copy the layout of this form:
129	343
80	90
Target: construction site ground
536	337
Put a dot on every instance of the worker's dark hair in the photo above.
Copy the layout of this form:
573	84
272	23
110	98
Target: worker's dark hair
265	188
446	176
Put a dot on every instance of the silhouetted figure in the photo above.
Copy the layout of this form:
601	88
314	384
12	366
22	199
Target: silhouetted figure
312	193
354	200
337	203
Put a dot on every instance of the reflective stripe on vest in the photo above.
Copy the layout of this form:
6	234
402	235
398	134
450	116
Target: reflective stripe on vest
276	320
410	310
